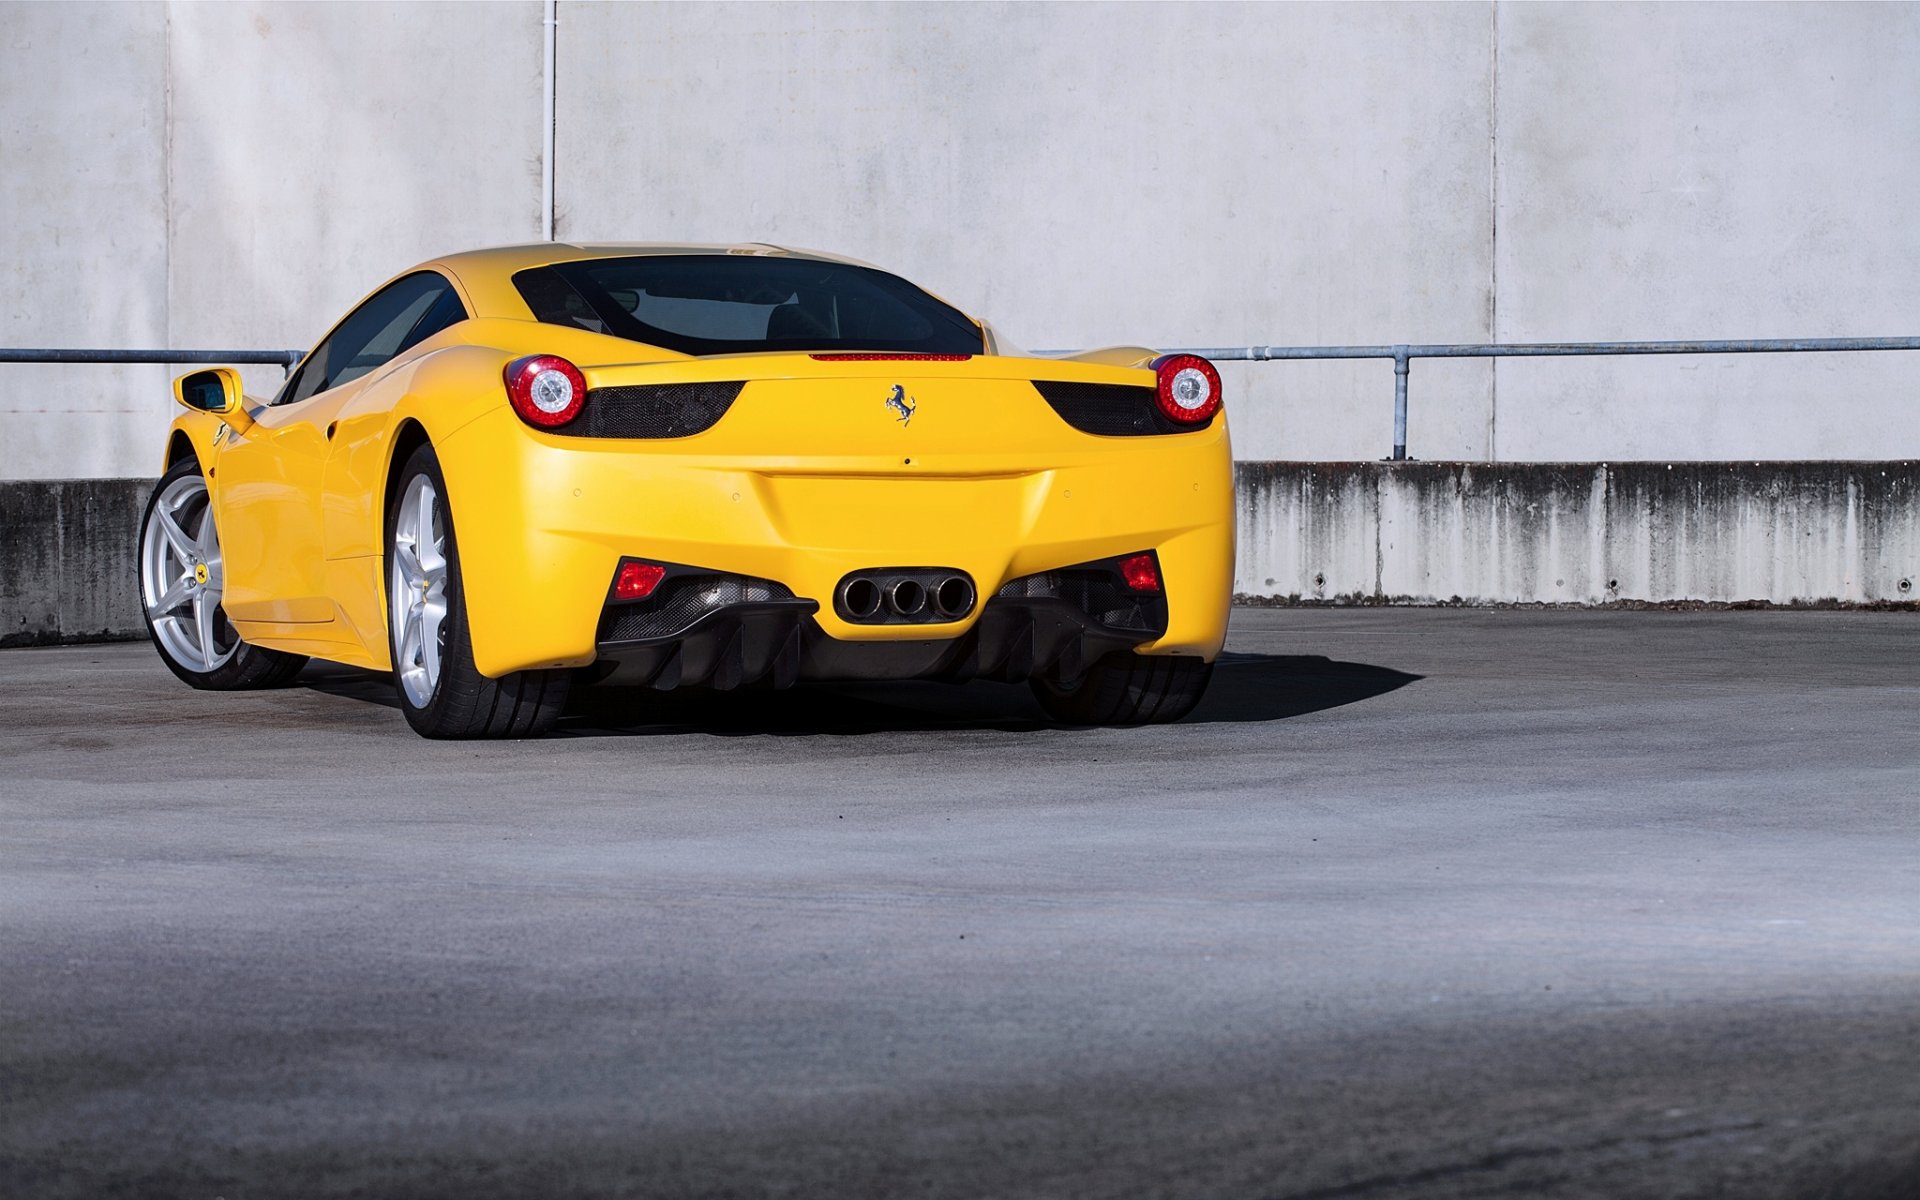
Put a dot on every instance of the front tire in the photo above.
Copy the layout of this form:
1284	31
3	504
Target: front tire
441	692
182	582
1125	688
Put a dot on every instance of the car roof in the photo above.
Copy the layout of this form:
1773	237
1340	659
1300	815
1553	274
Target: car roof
487	275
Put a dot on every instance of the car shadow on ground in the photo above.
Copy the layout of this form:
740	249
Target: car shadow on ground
1245	687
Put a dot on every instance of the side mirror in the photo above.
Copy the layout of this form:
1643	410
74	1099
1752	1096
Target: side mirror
215	391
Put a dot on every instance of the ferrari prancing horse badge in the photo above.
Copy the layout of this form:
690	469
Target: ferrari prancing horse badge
902	403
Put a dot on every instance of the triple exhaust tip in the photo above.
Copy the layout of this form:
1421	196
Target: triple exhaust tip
906	598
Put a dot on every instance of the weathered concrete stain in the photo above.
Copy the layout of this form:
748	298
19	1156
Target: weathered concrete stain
1785	533
67	554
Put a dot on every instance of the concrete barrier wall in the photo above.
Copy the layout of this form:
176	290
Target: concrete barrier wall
1580	533
1313	533
67	555
1196	174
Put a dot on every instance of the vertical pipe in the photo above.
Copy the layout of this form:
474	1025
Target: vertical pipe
1400	404
551	26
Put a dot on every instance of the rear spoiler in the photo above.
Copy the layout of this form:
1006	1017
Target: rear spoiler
1106	356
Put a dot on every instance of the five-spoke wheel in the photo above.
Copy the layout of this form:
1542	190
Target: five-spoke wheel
182	582
441	691
418	587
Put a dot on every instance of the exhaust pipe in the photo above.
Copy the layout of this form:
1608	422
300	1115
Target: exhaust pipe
952	598
906	597
860	598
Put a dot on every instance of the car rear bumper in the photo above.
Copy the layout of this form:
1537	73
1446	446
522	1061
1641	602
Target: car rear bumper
543	523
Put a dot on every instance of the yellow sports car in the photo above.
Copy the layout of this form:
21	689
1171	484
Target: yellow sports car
509	472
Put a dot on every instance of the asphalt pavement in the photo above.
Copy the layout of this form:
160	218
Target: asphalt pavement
1418	903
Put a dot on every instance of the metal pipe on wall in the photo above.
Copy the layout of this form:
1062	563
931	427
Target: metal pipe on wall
1400	362
277	358
1402	356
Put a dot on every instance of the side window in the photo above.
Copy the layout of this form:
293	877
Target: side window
447	310
395	318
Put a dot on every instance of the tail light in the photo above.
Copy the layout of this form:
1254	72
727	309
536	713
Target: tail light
636	580
1189	391
1141	571
546	390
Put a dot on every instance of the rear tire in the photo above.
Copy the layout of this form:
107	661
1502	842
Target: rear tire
1125	688
182	580
441	692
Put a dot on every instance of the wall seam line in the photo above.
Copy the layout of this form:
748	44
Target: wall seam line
1493	235
62	598
1379	534
166	184
550	105
1608	571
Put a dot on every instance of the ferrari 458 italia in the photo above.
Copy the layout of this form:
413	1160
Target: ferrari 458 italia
512	472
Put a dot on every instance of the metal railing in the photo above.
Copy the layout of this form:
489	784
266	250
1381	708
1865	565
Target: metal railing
275	358
1402	357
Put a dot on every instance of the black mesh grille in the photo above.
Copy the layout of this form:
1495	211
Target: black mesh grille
1108	409
1102	595
657	411
680	602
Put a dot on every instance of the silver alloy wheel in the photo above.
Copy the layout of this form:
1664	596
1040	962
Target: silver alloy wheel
417	590
182	579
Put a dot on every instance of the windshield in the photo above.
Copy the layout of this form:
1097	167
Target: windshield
733	304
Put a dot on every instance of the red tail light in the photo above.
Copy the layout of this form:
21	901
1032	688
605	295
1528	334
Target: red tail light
1189	390
637	580
546	390
1142	573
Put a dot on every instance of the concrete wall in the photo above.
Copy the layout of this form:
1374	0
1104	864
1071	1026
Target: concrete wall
1319	173
196	174
68	555
235	176
83	234
1707	170
1580	533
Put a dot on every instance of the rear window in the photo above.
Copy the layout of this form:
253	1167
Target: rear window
732	304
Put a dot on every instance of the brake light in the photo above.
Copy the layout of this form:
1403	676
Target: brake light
637	580
545	389
1141	572
876	356
1189	388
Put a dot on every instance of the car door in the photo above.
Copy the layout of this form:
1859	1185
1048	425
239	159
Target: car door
270	479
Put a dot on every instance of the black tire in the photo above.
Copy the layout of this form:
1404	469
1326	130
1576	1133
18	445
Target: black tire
248	666
464	703
1125	688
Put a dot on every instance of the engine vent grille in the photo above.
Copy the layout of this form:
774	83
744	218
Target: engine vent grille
1107	409
680	602
671	410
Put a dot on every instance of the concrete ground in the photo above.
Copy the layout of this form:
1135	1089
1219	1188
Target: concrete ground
1419	903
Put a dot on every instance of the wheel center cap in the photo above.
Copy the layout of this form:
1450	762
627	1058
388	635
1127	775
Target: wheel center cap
200	573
